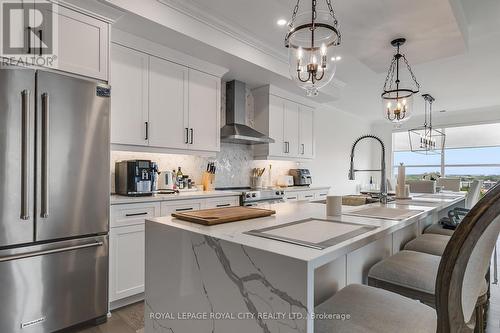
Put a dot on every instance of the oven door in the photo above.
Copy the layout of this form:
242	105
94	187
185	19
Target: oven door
263	203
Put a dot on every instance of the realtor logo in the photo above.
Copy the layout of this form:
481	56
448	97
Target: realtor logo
28	32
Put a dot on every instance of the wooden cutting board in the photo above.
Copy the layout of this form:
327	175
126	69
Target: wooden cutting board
223	215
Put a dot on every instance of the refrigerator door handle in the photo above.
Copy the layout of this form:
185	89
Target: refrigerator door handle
45	156
51	251
25	166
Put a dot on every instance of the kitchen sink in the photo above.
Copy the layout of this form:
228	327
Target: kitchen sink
354	200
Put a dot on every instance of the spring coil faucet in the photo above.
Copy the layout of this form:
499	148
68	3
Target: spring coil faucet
383	180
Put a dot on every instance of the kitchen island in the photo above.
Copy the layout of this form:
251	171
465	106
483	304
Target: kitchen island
222	279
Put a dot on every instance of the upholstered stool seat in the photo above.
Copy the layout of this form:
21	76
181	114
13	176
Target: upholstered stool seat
374	310
411	274
429	243
437	228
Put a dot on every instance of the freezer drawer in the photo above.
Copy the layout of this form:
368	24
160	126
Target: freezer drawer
48	287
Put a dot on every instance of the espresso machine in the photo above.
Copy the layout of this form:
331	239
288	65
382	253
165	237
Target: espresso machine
135	177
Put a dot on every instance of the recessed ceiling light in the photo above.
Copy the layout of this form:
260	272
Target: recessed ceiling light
281	22
336	58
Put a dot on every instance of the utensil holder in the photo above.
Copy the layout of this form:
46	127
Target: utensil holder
208	181
257	182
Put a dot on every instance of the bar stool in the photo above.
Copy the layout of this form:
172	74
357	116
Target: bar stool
459	282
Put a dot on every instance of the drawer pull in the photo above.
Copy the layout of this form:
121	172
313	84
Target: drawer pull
292	198
322	194
308	196
136	214
183	209
224	205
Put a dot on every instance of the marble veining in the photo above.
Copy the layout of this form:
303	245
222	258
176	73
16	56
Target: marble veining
218	277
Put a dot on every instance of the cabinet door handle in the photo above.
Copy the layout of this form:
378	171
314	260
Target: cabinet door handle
192	135
147	130
40	51
303	149
25	109
45	155
187	135
309	196
136	214
183	209
224	205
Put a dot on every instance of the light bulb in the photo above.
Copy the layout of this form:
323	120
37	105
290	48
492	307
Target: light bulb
299	53
404	101
314	59
323	49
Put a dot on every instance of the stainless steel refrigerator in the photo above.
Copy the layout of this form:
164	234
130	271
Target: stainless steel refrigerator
54	200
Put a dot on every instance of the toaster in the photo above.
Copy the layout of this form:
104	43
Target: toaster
301	177
285	180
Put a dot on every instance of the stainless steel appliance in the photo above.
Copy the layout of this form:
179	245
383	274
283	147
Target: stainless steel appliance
257	197
134	177
301	177
235	130
54	200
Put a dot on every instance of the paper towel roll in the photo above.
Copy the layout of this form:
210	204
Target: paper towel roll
333	205
400	189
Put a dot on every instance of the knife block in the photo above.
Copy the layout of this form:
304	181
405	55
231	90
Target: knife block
208	181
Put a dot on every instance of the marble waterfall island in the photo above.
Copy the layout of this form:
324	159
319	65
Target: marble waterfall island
223	279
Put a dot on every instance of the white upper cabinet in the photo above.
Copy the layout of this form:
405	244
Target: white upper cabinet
129	96
83	44
288	122
74	42
306	132
291	128
204	111
167	104
158	104
276	126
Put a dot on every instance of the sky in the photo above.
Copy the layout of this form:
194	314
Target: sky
483	155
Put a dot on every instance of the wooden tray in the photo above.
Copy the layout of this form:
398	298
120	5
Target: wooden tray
223	215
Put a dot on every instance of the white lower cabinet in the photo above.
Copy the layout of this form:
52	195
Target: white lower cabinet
222	202
179	206
306	194
127	242
127	248
127	251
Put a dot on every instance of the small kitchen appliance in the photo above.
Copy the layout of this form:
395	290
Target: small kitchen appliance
167	180
301	177
134	178
285	180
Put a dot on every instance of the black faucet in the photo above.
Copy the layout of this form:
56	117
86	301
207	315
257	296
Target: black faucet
383	180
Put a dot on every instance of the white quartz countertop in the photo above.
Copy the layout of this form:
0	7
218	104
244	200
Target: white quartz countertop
120	199
295	211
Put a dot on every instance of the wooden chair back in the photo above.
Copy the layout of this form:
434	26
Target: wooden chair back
464	264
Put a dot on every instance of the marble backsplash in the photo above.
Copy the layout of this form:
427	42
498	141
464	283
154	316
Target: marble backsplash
234	165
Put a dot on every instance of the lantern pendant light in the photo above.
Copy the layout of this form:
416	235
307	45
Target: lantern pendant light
426	139
310	40
397	100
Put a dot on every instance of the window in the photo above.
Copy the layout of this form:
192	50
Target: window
471	152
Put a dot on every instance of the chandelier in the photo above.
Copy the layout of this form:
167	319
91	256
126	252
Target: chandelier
425	139
397	100
310	40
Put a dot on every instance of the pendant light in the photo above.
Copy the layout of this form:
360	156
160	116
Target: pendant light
426	139
397	99
310	41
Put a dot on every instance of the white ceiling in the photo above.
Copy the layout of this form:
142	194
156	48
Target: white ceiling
453	46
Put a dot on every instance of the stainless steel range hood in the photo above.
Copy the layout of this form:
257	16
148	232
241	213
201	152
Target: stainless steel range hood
235	130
